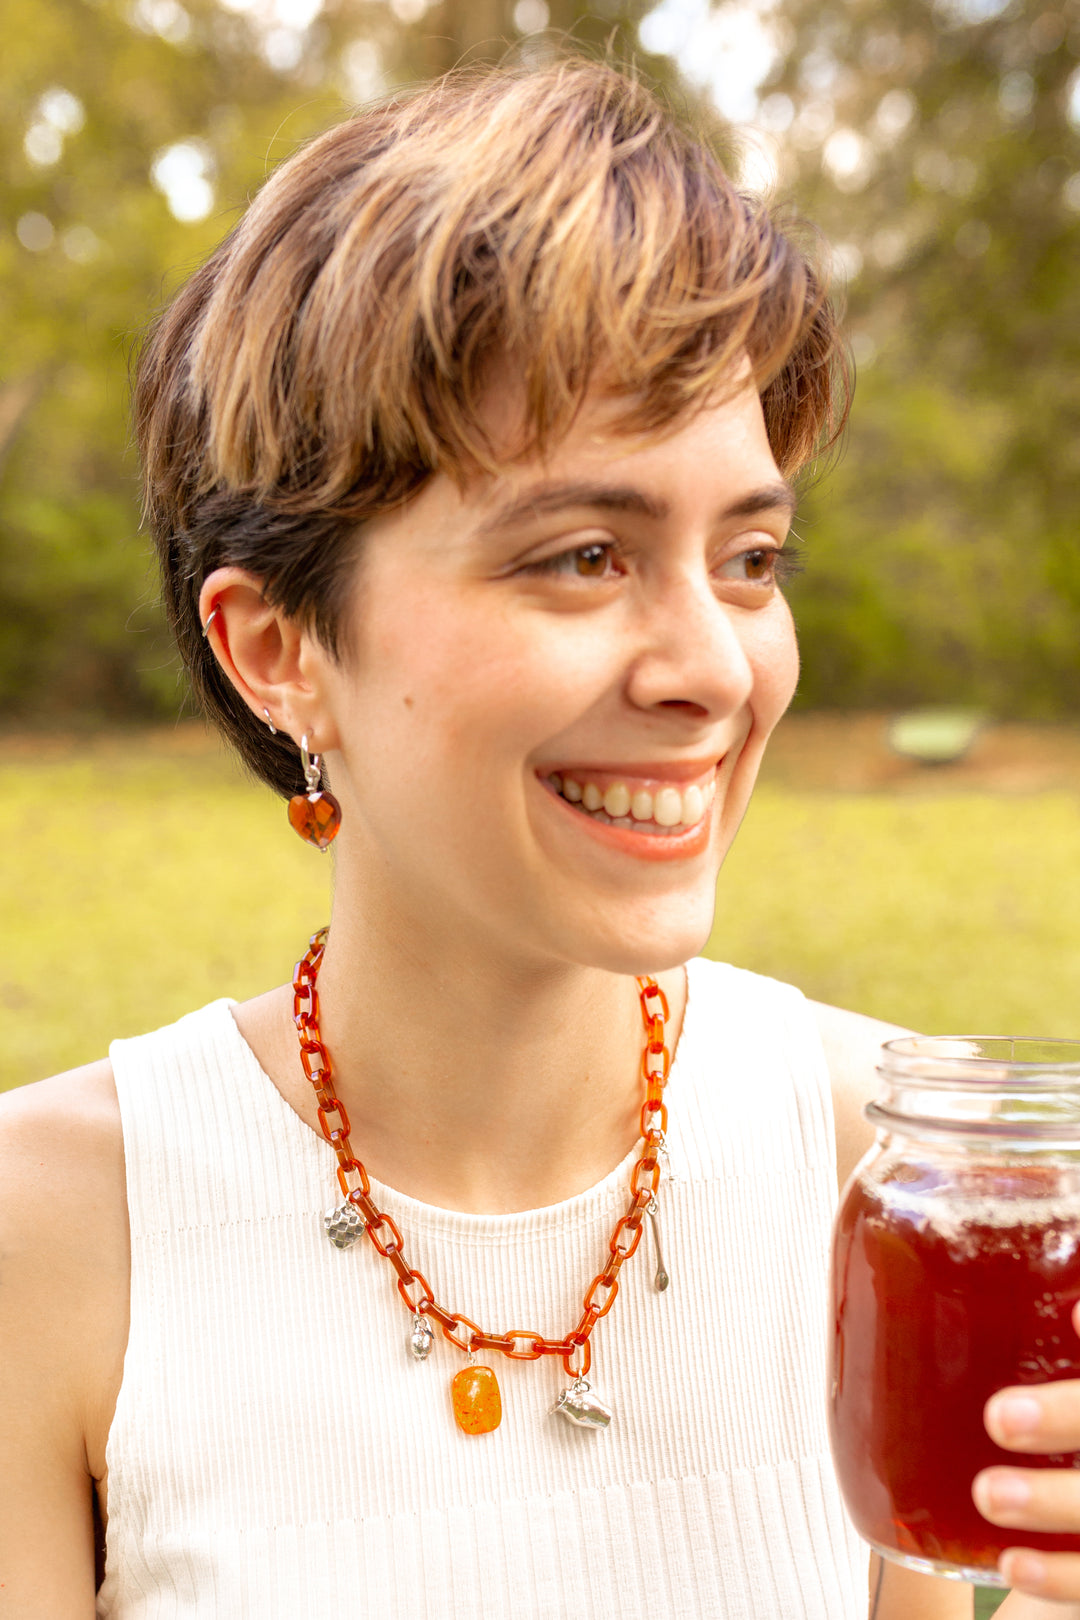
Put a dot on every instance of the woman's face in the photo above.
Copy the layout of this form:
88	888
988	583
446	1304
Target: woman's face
559	687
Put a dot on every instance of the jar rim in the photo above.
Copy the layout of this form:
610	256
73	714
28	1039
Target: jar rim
989	1059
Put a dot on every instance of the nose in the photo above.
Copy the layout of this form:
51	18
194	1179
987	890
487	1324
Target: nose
693	653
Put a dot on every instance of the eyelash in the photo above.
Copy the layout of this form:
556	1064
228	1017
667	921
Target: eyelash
786	561
561	562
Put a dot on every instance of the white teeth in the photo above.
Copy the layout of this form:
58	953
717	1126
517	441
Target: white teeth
667	807
617	805
617	800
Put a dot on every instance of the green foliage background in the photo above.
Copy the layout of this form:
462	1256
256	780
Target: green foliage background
944	547
937	142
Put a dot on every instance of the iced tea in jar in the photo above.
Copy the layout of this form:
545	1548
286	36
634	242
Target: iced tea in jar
955	1268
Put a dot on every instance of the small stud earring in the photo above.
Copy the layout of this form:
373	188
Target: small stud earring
316	814
270	723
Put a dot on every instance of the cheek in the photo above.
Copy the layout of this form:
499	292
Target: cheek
460	695
775	659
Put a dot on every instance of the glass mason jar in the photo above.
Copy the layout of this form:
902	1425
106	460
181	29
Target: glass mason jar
955	1268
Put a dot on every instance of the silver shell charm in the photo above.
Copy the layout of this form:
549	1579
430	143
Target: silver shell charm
421	1338
578	1404
343	1226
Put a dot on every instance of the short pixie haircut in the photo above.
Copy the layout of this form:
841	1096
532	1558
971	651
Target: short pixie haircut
332	355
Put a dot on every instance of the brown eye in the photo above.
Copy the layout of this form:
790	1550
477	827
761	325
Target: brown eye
759	564
590	562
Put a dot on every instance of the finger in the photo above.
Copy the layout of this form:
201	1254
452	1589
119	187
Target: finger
1029	1498
1040	1417
1055	1576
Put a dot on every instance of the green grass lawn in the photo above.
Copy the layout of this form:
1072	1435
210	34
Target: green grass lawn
145	876
948	912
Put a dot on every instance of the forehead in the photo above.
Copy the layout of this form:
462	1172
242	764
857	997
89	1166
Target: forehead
720	449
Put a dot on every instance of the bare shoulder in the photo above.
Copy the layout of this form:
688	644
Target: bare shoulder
64	1267
852	1043
64	1247
61	1138
88	1091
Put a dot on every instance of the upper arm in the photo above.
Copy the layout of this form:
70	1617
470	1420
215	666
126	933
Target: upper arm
905	1595
61	1281
852	1045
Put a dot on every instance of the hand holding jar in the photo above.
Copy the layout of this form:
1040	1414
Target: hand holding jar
1043	1420
956	1335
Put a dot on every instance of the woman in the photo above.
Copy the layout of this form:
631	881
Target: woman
468	457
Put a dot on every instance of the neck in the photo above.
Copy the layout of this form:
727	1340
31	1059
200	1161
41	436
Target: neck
473	1082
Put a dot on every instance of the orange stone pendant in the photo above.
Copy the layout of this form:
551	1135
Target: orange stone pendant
316	817
474	1393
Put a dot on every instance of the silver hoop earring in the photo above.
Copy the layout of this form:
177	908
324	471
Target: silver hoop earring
270	723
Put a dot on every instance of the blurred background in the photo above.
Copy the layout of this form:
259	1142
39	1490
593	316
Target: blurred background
936	143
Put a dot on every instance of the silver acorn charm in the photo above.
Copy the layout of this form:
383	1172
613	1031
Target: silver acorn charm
343	1225
422	1337
578	1404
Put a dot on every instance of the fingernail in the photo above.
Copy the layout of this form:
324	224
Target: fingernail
1004	1491
1022	1569
1014	1415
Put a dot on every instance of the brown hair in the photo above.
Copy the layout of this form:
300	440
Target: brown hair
332	354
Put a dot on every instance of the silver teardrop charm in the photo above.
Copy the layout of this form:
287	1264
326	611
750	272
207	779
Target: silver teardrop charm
343	1225
579	1404
422	1337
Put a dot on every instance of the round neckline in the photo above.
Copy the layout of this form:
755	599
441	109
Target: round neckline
580	1206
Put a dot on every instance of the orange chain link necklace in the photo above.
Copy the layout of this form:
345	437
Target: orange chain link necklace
474	1390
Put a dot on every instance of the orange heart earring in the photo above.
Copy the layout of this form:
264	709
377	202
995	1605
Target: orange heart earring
315	814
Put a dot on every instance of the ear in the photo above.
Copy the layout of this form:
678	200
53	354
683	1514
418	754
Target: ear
273	662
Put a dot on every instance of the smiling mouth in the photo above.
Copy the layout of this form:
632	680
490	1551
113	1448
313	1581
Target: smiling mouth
665	812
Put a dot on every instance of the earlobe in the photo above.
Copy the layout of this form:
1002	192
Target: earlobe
266	655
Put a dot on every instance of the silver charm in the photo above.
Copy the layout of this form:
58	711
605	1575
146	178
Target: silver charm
422	1336
661	1280
343	1225
578	1404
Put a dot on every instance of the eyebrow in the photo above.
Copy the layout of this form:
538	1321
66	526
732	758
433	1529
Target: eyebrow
547	498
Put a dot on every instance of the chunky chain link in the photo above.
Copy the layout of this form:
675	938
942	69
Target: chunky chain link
519	1344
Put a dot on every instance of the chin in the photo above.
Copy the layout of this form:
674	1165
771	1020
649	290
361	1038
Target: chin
653	943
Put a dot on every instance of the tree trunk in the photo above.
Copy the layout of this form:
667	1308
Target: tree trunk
462	31
17	399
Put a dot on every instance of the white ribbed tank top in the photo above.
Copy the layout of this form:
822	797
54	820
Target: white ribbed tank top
277	1452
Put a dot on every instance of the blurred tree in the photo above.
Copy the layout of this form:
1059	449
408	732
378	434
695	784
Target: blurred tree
134	131
938	142
126	128
939	146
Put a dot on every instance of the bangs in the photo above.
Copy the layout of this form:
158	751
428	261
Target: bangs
560	225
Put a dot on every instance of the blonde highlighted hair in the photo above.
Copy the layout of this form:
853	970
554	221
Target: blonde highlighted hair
334	352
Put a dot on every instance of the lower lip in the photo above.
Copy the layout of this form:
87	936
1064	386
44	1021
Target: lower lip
643	846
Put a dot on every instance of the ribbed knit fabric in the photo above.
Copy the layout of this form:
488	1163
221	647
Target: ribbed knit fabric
277	1452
